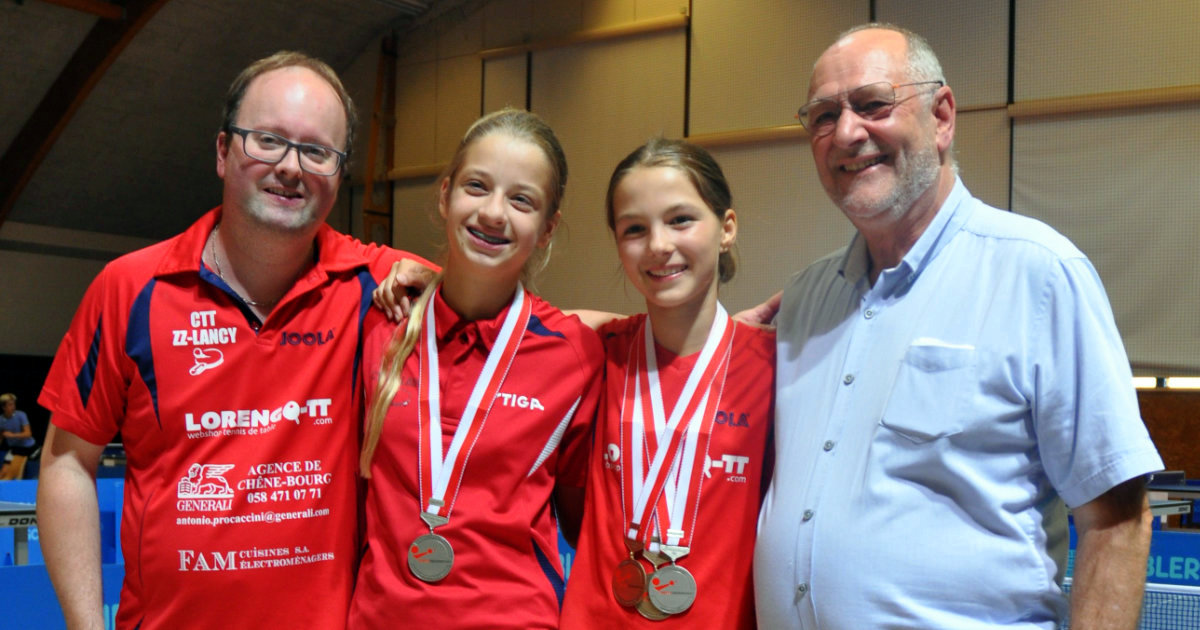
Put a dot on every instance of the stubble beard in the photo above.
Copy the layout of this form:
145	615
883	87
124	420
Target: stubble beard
915	173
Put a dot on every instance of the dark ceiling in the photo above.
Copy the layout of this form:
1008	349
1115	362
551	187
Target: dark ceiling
137	157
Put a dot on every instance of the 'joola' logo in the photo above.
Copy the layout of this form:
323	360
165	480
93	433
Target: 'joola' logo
305	339
733	419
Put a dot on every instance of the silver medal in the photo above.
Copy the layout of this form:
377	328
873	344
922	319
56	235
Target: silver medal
430	557
672	589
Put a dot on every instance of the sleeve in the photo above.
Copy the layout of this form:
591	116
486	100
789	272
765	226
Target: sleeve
87	386
1089	429
577	441
382	258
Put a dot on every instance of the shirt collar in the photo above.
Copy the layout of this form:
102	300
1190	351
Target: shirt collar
950	217
185	250
449	324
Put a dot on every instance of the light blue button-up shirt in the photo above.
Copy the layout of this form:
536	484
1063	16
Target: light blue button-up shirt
930	427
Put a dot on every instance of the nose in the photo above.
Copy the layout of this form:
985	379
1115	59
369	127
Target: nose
289	165
660	241
849	130
492	209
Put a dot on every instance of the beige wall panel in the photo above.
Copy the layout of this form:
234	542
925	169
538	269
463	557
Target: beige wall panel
785	220
981	144
601	13
1072	48
969	37
460	36
751	61
504	82
416	113
647	9
416	226
1131	207
419	46
459	95
601	111
506	23
555	18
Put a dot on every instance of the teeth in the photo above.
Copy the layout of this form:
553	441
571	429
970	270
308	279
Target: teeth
663	273
854	168
284	193
487	238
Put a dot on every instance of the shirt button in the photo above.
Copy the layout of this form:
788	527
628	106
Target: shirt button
801	590
847	379
828	445
869	314
808	514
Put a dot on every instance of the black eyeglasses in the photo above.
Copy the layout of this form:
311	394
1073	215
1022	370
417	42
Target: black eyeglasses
873	101
268	147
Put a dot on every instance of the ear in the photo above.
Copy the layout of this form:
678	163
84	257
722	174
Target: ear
944	113
222	153
548	230
444	197
728	230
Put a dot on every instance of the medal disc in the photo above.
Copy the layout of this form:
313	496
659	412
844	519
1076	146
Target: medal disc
430	557
629	583
646	609
672	589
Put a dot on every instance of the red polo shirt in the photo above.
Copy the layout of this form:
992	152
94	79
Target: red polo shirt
241	436
506	571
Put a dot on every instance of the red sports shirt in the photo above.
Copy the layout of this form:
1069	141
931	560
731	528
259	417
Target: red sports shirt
506	571
737	469
242	438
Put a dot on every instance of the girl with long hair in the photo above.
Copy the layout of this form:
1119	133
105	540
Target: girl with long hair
476	437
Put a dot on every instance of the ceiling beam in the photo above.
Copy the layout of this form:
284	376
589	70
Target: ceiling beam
98	8
99	49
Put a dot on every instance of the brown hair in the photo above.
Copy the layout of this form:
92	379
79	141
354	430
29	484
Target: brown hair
518	124
701	169
287	59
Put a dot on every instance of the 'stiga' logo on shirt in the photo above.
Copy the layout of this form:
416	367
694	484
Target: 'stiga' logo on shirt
519	401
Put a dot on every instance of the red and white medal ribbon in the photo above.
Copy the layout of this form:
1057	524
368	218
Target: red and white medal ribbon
658	471
442	473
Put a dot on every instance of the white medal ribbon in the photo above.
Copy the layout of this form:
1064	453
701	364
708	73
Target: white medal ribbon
442	468
665	427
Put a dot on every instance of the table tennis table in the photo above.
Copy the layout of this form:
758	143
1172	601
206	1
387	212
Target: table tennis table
20	517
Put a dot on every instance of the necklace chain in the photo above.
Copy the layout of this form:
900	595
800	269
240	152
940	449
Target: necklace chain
212	252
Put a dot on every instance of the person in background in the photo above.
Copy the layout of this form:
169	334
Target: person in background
680	457
18	437
481	406
227	358
948	384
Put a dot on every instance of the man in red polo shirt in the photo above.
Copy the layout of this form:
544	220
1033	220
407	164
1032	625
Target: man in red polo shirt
227	359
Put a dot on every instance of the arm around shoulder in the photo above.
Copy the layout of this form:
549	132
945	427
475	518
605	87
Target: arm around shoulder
69	525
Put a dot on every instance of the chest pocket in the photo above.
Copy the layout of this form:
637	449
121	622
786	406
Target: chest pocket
932	389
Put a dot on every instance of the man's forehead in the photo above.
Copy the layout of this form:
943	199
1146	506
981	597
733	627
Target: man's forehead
862	58
293	88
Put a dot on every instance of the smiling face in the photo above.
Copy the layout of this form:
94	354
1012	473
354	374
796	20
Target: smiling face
668	239
876	169
497	206
296	103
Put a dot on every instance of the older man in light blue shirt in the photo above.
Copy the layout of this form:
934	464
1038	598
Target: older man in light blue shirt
948	384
